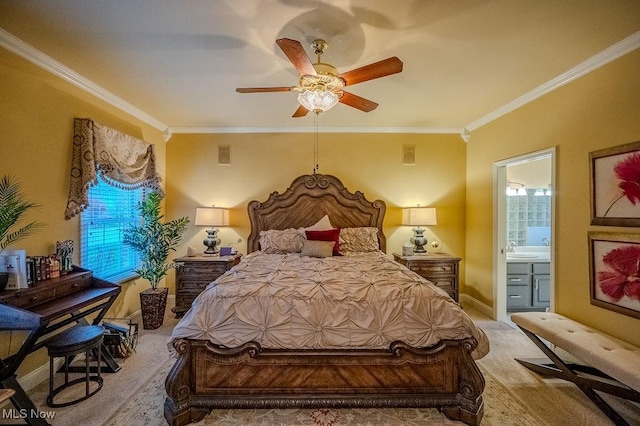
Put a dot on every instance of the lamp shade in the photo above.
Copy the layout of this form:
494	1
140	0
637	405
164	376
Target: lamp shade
418	216
212	216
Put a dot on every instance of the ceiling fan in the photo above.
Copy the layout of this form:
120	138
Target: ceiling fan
321	86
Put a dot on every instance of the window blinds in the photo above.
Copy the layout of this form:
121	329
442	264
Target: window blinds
111	210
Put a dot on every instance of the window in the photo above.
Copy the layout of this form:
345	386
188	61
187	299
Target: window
111	210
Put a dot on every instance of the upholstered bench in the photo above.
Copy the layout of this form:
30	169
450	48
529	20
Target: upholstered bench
606	357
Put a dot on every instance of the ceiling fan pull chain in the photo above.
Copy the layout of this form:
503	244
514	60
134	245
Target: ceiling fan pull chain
315	144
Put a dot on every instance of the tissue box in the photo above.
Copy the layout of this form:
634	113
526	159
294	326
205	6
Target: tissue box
407	250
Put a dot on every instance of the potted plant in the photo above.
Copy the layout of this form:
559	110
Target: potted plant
13	206
153	239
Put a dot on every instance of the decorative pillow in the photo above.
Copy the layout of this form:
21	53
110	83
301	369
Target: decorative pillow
329	235
315	248
276	241
361	239
323	224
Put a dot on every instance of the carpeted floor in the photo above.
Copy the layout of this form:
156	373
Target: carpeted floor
513	395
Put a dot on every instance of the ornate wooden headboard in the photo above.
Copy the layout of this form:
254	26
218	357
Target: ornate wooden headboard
308	199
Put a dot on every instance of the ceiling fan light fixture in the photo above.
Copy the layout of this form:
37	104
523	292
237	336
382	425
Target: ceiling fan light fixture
317	100
321	86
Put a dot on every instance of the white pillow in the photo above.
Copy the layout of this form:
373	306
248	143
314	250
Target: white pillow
323	224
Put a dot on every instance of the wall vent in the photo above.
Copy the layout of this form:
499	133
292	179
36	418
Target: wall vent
409	155
224	154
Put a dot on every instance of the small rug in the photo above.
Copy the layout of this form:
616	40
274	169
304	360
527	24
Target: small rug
146	408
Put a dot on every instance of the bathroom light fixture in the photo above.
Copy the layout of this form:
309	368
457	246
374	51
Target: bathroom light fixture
548	191
539	192
418	217
516	188
211	216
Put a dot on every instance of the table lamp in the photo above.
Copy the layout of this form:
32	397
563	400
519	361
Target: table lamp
418	217
212	216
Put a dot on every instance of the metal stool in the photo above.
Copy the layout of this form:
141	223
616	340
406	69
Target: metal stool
67	344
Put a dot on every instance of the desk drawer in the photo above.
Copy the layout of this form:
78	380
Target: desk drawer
30	297
65	287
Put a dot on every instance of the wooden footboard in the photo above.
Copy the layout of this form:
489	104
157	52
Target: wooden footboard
205	377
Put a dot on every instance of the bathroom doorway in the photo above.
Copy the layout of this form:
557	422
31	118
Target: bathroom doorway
524	202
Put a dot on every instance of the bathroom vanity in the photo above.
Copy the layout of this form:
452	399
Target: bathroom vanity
528	280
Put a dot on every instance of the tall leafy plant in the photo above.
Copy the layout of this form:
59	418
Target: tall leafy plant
13	205
153	239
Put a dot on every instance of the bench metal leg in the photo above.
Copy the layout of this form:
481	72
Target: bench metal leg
588	385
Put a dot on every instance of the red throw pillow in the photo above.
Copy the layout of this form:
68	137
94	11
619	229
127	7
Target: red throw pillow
329	235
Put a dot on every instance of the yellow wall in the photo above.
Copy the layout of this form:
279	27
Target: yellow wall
599	110
371	163
36	127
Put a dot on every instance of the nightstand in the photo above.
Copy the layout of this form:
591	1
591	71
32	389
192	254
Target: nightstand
194	274
439	268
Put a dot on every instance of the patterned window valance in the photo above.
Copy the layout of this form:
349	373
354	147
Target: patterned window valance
121	160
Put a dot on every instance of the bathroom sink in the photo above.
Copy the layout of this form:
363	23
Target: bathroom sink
522	255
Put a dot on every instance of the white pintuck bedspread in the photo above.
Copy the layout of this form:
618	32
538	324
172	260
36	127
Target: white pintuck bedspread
289	301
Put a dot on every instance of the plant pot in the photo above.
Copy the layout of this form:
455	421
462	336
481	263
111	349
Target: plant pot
4	280
153	304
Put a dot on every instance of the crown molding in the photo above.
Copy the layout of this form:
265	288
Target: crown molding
31	54
409	130
28	52
611	53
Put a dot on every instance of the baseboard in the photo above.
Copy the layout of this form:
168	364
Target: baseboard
474	303
39	375
134	315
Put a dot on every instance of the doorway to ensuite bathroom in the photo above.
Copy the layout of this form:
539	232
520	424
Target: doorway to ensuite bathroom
524	206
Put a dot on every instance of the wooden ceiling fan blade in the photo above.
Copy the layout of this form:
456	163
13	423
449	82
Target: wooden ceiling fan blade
379	69
296	54
262	89
357	102
300	112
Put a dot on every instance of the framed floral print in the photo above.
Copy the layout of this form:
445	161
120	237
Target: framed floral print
614	272
615	185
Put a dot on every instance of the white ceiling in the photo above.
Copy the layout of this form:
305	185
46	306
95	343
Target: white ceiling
177	63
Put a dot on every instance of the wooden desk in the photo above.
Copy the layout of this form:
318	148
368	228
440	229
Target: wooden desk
6	394
43	309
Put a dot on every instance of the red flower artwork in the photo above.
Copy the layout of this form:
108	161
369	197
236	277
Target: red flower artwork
624	276
628	171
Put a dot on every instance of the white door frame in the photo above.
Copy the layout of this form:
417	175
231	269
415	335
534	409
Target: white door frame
500	229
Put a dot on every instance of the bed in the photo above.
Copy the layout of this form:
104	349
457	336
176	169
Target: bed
254	339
